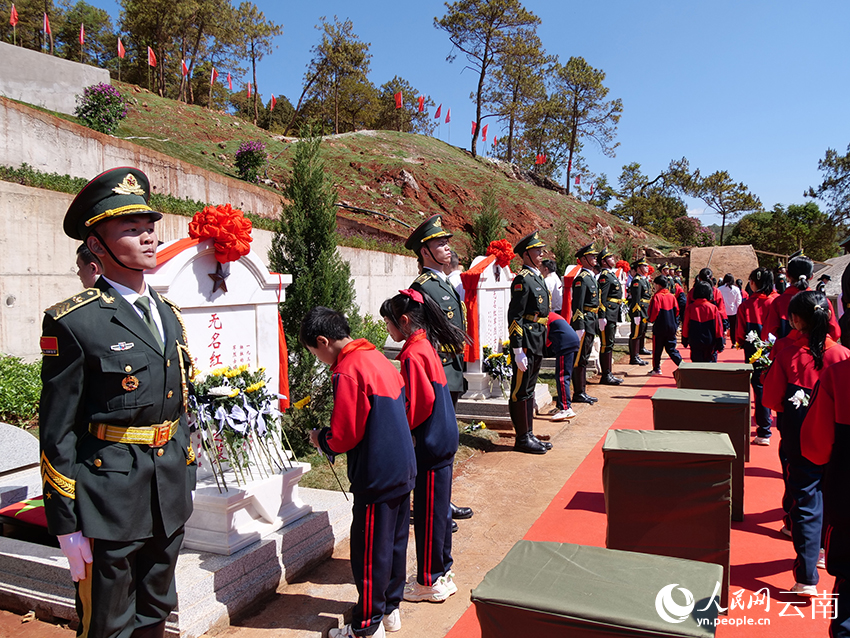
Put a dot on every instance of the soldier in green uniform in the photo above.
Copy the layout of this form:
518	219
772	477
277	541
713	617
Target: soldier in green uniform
528	316
610	301
640	294
430	242
584	319
116	461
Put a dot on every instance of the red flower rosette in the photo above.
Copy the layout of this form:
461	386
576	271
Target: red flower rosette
502	250
228	227
651	269
623	265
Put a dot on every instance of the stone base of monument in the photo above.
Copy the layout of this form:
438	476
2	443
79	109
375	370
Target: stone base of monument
225	521
493	409
212	588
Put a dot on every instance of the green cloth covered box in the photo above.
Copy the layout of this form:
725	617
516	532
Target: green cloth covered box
552	590
669	492
709	411
729	377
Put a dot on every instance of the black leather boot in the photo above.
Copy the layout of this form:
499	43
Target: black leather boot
607	362
524	440
460	513
634	359
530	414
643	349
579	384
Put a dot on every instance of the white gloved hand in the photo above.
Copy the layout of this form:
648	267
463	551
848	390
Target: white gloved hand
521	359
580	334
637	321
77	549
602	324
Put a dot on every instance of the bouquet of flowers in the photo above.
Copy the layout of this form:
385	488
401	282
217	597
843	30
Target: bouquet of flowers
239	423
760	359
498	365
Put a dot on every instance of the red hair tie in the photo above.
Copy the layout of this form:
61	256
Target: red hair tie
415	295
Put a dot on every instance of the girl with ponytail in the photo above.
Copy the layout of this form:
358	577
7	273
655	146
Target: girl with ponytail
800	269
788	386
417	320
751	316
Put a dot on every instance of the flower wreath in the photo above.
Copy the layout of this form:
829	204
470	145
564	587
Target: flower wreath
502	250
228	227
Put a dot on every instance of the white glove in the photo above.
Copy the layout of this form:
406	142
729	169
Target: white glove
580	334
602	324
637	321
77	549
521	359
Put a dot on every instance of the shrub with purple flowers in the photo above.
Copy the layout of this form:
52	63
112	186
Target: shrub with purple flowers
250	158
101	107
691	233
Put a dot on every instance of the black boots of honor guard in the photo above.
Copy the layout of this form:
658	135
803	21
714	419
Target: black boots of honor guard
606	361
522	416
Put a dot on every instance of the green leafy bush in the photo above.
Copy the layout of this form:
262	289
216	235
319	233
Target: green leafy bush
101	107
20	390
250	158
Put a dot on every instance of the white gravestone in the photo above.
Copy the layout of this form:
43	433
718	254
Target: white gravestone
494	296
233	326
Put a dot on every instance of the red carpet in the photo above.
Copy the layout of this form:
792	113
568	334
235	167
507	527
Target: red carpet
761	556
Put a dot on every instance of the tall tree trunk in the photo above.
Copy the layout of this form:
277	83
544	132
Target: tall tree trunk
336	105
573	137
722	226
254	67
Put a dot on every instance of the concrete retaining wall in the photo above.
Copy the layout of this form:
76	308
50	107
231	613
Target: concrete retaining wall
37	264
53	145
45	80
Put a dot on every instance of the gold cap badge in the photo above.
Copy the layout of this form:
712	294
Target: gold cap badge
129	186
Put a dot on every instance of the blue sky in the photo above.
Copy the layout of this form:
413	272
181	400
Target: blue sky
758	88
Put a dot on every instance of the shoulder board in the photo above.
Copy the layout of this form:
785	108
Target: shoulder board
170	303
425	276
72	303
523	272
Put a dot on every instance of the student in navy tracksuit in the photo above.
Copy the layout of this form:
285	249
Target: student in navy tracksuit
715	297
664	317
417	320
369	424
776	322
562	343
825	441
702	328
794	373
751	316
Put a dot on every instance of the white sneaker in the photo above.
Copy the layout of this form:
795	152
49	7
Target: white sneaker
347	632
804	591
392	621
822	560
761	440
449	579
436	593
563	415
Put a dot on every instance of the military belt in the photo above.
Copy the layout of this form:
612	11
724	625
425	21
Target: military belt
616	300
153	435
590	308
537	318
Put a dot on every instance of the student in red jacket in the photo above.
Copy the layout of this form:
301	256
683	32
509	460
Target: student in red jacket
369	424
664	316
702	328
788	386
800	270
825	441
751	316
417	320
715	297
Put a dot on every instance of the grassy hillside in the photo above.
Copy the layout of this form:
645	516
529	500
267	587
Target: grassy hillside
404	176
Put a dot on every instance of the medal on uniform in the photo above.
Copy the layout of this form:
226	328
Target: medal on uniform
130	383
121	346
450	314
539	298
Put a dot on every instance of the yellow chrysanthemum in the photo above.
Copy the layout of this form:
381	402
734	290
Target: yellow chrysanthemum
756	356
495	354
217	372
255	386
508	360
234	393
298	405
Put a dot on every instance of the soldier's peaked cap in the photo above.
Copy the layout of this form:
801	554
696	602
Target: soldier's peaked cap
431	228
640	262
532	240
604	254
113	193
590	249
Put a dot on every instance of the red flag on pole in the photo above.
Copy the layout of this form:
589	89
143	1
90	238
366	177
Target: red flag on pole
448	116
484	132
591	190
151	58
13	20
578	180
214	76
437	114
46	24
474	126
82	34
570	166
229	82
397	97
185	68
495	139
421	103
121	51
274	101
537	159
249	89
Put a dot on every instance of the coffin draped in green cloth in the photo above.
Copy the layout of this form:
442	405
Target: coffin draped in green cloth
709	411
732	377
558	589
669	492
